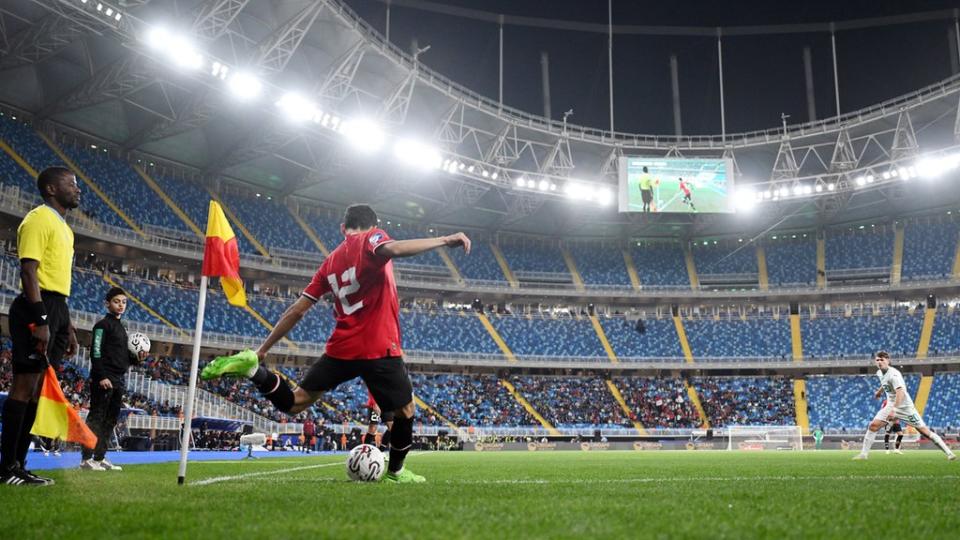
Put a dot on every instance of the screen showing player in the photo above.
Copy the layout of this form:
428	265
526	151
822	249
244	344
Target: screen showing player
678	185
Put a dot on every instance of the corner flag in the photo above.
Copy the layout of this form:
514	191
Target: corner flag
221	256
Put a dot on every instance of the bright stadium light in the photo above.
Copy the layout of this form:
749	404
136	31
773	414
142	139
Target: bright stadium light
522	181
494	175
365	135
603	196
417	154
831	186
178	49
745	199
296	107
819	188
245	86
531	183
158	37
861	180
807	190
544	185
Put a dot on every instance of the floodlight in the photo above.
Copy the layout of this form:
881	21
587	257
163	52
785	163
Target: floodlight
831	186
495	175
819	188
745	199
365	135
522	181
807	190
245	86
603	196
417	154
861	181
158	37
544	185
296	107
531	183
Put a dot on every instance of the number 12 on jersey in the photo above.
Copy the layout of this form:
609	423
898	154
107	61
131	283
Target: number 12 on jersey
350	286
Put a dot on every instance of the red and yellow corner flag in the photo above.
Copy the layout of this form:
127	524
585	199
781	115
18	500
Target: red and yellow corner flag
221	256
56	417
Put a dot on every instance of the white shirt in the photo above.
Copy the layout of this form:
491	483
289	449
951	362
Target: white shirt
890	381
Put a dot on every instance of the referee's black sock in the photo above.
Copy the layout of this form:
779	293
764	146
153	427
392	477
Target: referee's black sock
886	441
29	415
402	440
13	412
274	387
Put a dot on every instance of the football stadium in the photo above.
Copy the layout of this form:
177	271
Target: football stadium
479	269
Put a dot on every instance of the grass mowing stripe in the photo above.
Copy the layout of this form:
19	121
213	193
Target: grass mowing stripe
697	479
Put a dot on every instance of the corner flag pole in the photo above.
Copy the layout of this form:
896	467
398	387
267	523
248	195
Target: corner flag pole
192	389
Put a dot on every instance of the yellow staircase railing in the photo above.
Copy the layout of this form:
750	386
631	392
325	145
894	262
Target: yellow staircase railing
266	324
955	272
682	336
424	405
631	270
923	393
502	261
19	159
796	339
504	348
762	268
528	407
896	269
311	234
141	303
821	263
236	221
695	399
598	328
166	198
448	260
92	185
691	269
618	397
926	332
572	267
800	405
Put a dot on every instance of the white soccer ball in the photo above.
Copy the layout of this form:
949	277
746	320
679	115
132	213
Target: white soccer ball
137	342
365	464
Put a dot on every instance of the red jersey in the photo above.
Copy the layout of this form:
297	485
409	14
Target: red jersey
366	305
684	188
370	401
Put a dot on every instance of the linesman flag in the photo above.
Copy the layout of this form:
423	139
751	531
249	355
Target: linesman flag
56	417
221	256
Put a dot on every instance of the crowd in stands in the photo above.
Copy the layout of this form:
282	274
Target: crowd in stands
746	400
572	401
473	400
658	402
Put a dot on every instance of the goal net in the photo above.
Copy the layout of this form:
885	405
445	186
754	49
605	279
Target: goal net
764	438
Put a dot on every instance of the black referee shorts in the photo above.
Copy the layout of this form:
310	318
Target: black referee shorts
26	359
386	378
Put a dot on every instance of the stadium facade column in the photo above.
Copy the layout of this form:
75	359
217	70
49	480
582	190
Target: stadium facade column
239	224
955	271
923	393
572	267
147	179
94	187
762	268
897	266
800	405
618	397
682	336
632	270
796	338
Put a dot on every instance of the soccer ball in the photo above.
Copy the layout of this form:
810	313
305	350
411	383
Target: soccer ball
365	464
137	342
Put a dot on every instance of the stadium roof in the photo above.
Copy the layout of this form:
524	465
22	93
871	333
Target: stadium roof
79	69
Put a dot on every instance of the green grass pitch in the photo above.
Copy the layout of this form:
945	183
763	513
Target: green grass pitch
657	494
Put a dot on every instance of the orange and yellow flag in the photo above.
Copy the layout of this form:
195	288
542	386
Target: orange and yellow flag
221	256
56	418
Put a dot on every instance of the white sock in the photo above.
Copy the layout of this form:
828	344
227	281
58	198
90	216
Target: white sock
868	441
939	442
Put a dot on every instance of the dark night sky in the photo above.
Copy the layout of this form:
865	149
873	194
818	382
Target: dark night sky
763	75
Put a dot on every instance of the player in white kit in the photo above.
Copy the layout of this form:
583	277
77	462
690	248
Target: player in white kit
898	405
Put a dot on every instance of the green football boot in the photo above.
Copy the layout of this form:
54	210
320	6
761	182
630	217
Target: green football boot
242	364
403	476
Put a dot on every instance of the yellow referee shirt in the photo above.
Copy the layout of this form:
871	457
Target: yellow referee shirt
45	237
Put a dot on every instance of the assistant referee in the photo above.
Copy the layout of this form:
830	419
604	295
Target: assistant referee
40	325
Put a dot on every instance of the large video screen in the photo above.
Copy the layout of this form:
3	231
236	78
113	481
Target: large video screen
677	185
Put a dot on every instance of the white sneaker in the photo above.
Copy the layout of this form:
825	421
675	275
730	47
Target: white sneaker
107	466
888	451
46	453
860	457
898	451
91	465
951	457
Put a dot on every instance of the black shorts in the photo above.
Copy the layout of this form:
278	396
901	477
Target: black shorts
386	416
894	427
386	378
26	359
646	195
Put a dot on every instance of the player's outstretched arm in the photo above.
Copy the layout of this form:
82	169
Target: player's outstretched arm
287	321
409	248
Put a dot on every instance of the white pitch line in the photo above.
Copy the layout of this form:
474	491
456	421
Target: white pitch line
217	479
535	481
